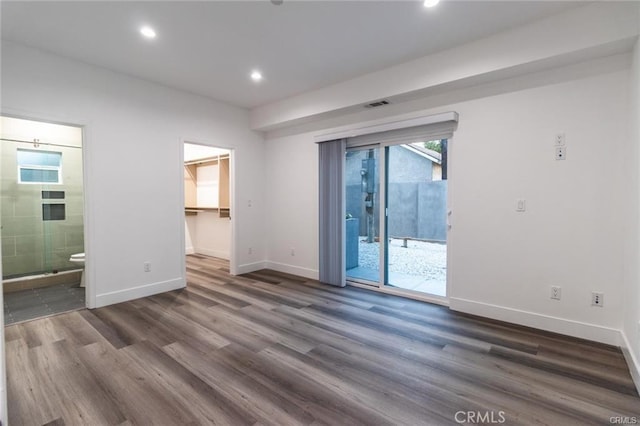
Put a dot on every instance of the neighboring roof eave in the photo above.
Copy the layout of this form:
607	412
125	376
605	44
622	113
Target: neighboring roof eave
429	154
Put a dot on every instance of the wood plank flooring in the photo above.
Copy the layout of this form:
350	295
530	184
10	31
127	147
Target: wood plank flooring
273	349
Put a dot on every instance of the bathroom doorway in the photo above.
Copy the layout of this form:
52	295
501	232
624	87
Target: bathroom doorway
207	201
41	218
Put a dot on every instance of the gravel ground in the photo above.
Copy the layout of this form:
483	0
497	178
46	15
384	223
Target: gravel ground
427	260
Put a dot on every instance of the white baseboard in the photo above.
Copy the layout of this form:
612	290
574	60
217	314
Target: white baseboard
222	254
632	360
294	270
610	336
189	250
250	267
138	292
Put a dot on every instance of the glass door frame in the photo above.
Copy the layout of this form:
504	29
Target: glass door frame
381	284
364	282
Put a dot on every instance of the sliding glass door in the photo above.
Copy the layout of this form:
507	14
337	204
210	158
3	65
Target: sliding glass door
396	216
362	184
416	217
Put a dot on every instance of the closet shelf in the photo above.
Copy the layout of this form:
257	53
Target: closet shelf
212	190
223	211
202	209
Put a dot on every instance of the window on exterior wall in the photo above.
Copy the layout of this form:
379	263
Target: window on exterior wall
38	167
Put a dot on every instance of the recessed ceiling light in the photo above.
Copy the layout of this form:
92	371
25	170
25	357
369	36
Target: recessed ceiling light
256	75
148	32
430	3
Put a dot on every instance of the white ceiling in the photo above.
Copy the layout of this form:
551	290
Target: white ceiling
210	47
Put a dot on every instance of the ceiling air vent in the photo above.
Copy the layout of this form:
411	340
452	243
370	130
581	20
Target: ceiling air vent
377	104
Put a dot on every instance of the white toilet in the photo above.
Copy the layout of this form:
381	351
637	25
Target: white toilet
79	258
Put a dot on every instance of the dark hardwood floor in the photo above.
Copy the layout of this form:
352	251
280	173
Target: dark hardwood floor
274	349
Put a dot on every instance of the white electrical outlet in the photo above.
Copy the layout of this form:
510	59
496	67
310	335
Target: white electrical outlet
561	153
597	299
147	266
250	250
560	139
521	205
556	292
293	251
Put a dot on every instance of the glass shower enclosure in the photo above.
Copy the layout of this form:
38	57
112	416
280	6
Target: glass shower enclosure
42	218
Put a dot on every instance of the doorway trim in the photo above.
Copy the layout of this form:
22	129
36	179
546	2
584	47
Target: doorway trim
233	267
381	284
85	126
426	297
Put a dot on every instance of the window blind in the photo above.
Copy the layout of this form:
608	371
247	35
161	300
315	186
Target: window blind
331	214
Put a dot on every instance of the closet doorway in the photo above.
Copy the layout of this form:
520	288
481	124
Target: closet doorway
207	201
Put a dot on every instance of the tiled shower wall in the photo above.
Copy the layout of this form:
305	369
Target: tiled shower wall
29	244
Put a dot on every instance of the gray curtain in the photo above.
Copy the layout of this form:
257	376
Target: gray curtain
332	221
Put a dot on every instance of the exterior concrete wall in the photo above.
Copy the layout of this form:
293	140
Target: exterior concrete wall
432	205
417	206
403	210
407	166
418	210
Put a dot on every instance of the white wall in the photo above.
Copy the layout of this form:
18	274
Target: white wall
134	132
503	262
190	224
24	130
631	211
3	365
196	152
210	234
208	185
292	204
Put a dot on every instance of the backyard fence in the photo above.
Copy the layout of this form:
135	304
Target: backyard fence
416	209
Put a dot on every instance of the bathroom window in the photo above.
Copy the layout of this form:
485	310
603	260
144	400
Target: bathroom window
39	166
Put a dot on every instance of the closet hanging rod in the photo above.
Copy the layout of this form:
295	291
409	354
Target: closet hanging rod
207	160
38	143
